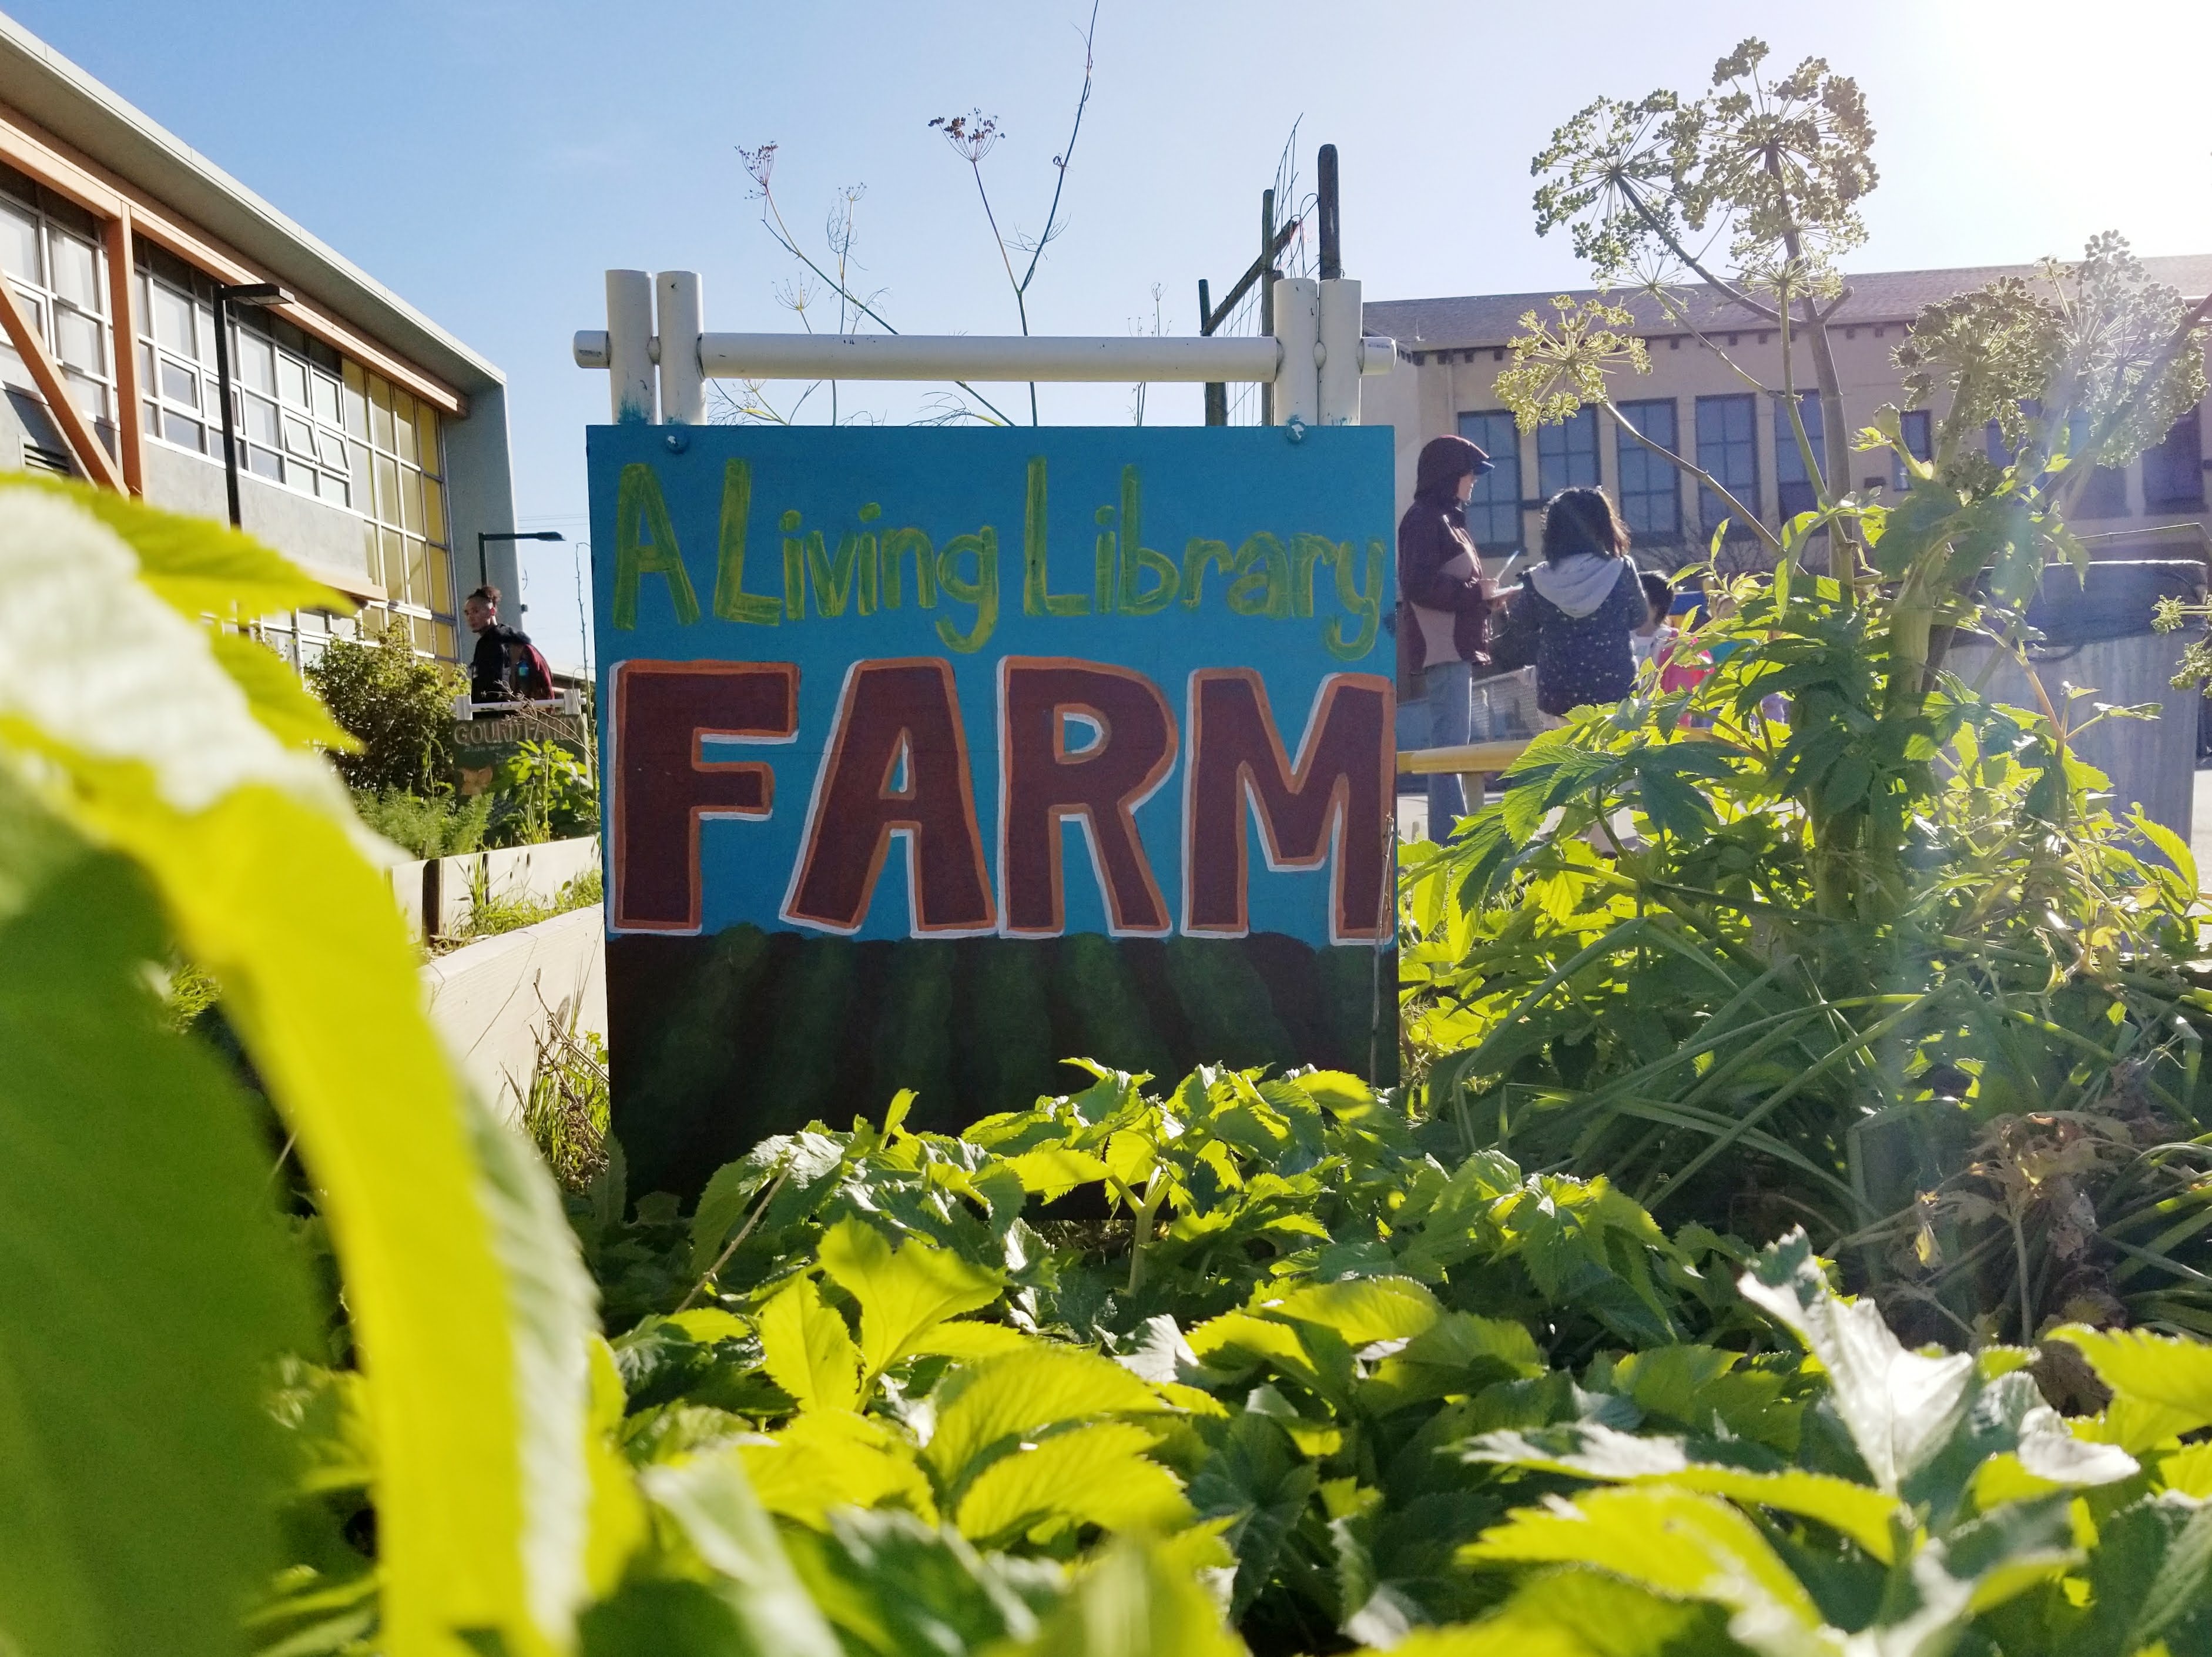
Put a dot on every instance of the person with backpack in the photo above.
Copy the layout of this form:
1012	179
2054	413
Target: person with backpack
1585	600
506	666
1444	610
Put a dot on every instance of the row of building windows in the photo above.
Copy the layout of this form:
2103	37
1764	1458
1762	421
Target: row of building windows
1648	488
50	252
312	421
304	417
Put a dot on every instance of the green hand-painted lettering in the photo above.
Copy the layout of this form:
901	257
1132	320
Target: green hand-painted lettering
833	578
638	504
1197	554
896	545
867	559
1366	603
1262	587
1037	598
1306	550
982	592
1136	556
1103	559
732	601
794	568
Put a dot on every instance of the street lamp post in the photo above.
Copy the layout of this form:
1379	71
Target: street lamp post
484	536
227	293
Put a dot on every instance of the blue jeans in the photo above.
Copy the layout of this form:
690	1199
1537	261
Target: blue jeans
1448	689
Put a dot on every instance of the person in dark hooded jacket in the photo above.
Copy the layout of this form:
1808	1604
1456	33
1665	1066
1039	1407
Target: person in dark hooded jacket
1443	609
1586	597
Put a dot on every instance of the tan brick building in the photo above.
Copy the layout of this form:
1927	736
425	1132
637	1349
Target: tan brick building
1452	351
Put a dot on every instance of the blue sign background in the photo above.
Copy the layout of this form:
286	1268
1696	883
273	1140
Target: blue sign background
1222	485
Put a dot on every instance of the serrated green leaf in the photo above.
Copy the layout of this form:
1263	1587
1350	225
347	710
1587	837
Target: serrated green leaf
1673	1542
2150	1572
1096	1475
1315	1356
903	1292
970	1342
1257	1489
1134	1601
1597	1452
807	1349
2173	1373
1577	1613
1899	1407
1024	1393
1053	1171
1361	1310
709	1499
831	1458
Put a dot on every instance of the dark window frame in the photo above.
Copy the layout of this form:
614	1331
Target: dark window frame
1497	498
1567	453
1725	448
1792	485
2173	467
1918	427
1646	483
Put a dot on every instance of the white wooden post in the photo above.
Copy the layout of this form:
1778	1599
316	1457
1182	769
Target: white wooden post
630	345
1298	325
1340	355
681	313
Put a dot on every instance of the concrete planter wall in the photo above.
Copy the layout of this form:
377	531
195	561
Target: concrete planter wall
491	1000
436	895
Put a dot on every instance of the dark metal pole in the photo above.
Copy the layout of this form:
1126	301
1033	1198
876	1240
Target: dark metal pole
484	563
1331	251
1217	391
222	391
1268	296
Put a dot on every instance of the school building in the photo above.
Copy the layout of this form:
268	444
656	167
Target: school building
1451	351
372	444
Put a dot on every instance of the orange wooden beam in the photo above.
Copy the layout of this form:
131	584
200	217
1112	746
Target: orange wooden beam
92	456
123	339
29	149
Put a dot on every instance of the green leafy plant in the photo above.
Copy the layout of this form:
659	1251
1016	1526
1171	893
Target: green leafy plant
1972	1100
432	825
1940	1504
564	1114
161	791
396	706
541	791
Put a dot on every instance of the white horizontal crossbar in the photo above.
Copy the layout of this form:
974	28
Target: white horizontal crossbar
1108	360
964	356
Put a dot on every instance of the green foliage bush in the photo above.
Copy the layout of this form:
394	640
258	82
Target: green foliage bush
396	706
540	792
427	825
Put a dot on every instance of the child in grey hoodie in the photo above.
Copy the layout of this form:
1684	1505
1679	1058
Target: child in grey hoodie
1586	599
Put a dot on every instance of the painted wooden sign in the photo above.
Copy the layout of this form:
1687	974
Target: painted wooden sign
931	757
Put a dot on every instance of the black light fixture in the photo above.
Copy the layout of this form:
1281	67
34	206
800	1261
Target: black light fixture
483	569
227	293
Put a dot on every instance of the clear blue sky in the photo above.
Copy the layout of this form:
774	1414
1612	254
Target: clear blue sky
489	159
